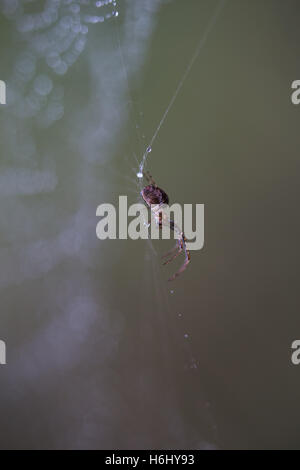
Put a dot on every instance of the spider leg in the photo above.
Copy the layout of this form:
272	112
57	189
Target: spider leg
149	178
186	261
173	253
169	253
177	248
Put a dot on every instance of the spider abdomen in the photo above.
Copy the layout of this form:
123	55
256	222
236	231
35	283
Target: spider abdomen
154	195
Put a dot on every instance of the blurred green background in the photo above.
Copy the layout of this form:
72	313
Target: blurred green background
103	352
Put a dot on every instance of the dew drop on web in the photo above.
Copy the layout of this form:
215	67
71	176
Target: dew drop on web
75	8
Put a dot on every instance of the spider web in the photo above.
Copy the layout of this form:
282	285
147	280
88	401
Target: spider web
199	47
153	288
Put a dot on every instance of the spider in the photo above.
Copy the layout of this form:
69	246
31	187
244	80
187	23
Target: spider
155	198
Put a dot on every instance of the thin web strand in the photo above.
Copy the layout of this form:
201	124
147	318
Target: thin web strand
130	99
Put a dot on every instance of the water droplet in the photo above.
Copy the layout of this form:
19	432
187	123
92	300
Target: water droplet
48	18
34	101
186	335
84	29
43	85
10	7
25	23
25	68
139	174
65	22
53	112
80	44
61	68
75	8
149	149
92	19
76	28
53	59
